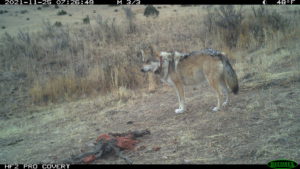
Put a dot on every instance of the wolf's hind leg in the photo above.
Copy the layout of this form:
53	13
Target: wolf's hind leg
225	91
214	81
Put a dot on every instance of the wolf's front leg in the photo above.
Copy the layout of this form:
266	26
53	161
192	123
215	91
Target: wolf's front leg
181	109
177	84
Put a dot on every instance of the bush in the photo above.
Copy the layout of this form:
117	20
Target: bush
24	11
58	24
230	19
226	20
56	6
272	18
39	8
3	11
27	19
150	10
228	24
62	12
86	20
3	27
108	30
130	18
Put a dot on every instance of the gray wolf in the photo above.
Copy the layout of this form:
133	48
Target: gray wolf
178	69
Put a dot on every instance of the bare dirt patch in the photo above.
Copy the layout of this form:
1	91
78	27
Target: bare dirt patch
258	126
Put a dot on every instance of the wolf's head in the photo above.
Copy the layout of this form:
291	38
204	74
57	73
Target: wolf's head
151	65
156	63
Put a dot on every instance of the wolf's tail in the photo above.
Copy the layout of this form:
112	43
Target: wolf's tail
230	75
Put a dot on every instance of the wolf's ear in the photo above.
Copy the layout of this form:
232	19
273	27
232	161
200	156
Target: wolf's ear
156	54
143	55
153	50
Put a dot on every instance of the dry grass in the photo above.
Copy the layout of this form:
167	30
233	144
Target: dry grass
65	63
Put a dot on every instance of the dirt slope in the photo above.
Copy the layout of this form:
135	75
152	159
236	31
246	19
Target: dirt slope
258	126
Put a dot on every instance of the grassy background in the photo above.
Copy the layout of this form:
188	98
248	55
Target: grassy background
68	58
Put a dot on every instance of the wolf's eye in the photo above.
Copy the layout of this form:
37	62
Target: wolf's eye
148	61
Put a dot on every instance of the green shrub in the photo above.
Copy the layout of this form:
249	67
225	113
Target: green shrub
58	24
86	20
62	12
151	10
24	11
3	11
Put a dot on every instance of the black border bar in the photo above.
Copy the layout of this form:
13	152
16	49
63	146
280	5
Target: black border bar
149	2
79	166
97	166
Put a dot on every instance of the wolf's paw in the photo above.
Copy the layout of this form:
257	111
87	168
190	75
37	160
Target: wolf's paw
178	111
224	104
215	109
